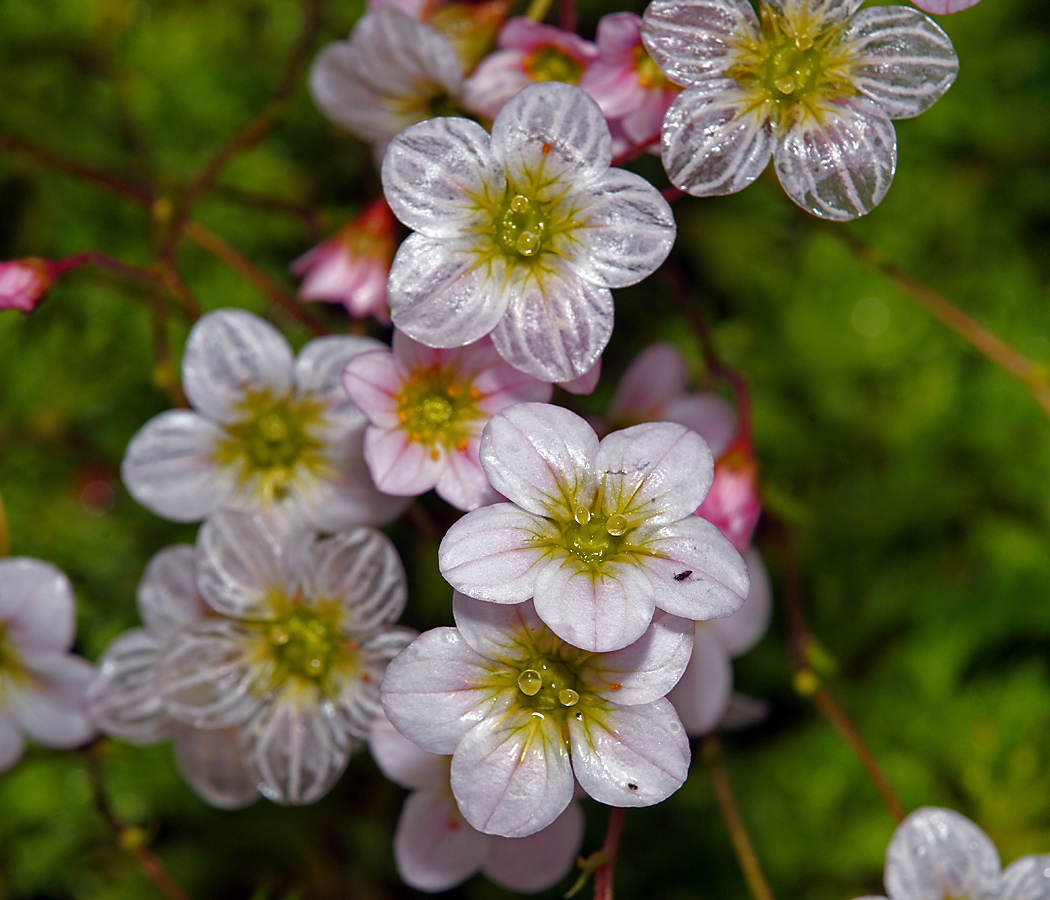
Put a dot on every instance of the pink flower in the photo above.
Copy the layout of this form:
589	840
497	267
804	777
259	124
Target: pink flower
626	83
352	267
427	409
529	52
944	7
25	282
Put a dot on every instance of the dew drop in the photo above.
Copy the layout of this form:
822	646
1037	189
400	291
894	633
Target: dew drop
519	204
785	85
279	635
616	525
527	243
582	515
803	41
568	697
530	681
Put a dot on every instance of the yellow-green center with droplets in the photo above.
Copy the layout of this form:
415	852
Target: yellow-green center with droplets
547	684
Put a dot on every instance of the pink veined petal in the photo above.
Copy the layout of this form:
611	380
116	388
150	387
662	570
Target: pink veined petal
463	482
630	756
488	553
613	85
541	457
645	122
499	383
12	745
656	376
229	353
36	604
402	466
522	33
708	415
319	374
645	670
362	571
828	11
373	382
945	7
124	698
434	171
841	166
358	701
167	595
497	78
618	35
597	613
696	572
936	853
430	691
581	384
213	765
403	762
743	712
511	774
496	630
442	294
901	59
713	142
702	696
170	468
656	471
1027	878
51	706
534	863
740	631
434	846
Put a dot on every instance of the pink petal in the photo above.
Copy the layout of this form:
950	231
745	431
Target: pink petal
401	466
463	482
656	376
945	7
497	78
434	846
496	630
362	572
36	604
52	707
708	415
534	863
319	375
702	695
403	762
373	382
12	745
167	595
214	766
740	631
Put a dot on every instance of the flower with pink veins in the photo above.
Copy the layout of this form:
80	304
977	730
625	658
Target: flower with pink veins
626	83
435	848
944	7
427	408
522	712
598	534
42	684
528	52
25	282
352	267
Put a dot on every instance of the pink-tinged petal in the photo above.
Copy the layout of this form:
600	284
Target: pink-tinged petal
239	569
167	595
124	698
556	129
12	745
696	572
708	415
373	382
630	756
628	230
230	353
319	374
213	765
657	471
434	172
358	701
644	124
522	33
540	457
463	482
362	571
900	59
23	284
499	383
743	712
170	467
36	604
293	750
534	863
511	774
714	142
690	41
581	384
434	847
399	465
645	670
733	504
740	631
430	690
497	78
936	853
556	326
597	613
656	376
488	553
403	762
945	7
618	35
206	674
1027	878
495	630
614	86
442	294
841	166
51	707
702	696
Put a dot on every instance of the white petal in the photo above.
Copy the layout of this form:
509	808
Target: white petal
630	756
496	630
702	696
1027	878
36	604
442	293
403	762
170	468
657	471
937	852
358	703
945	7
214	766
463	482
430	690
51	707
534	863
841	166
12	745
657	375
124	698
229	354
740	631
487	554
540	457
434	846
714	142
361	569
434	173
708	415
318	374
511	774
901	59
167	595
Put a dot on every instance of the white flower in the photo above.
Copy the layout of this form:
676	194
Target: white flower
937	854
435	848
268	434
600	534
812	84
42	684
522	712
520	235
294	651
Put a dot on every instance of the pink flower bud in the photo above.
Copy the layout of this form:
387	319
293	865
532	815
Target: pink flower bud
25	282
733	504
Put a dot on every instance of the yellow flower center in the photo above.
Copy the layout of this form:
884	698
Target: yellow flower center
553	64
649	75
11	668
547	684
593	537
438	408
522	226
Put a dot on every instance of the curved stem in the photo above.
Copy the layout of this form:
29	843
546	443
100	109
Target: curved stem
603	876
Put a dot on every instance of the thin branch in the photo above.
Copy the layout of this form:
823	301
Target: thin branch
711	754
538	10
603	876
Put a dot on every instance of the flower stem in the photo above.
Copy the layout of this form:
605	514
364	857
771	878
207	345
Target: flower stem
538	10
711	754
603	876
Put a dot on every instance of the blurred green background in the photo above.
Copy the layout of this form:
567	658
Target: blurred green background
910	473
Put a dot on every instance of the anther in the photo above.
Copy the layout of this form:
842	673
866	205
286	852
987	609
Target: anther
527	243
582	515
616	524
519	204
530	681
568	697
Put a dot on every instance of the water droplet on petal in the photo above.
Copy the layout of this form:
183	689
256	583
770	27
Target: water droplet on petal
527	243
530	681
617	524
519	204
582	515
568	697
785	85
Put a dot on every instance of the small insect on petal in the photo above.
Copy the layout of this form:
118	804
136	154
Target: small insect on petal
682	576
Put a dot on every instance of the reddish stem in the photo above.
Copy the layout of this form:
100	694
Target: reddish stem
603	876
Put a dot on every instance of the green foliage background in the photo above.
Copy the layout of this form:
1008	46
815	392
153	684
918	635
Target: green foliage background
909	472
